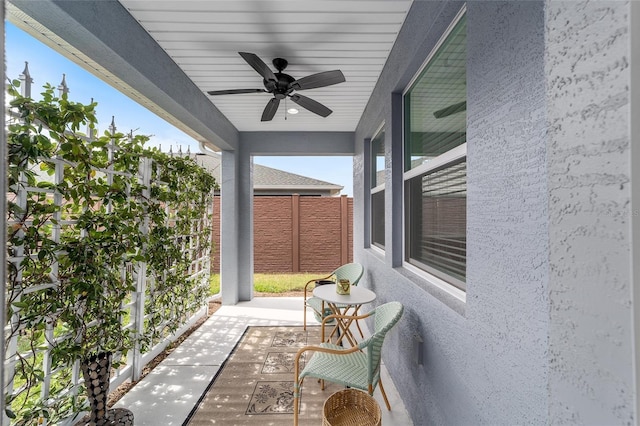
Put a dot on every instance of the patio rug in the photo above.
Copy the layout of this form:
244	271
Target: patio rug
255	384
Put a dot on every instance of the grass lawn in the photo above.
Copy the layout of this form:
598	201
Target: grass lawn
271	283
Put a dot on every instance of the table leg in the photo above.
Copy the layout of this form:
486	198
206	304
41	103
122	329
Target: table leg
355	313
341	325
336	328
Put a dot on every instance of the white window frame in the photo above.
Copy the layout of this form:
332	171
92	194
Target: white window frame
378	188
448	157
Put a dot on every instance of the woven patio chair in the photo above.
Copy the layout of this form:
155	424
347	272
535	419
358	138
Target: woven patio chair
357	367
350	271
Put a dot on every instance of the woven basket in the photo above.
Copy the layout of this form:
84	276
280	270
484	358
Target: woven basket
351	407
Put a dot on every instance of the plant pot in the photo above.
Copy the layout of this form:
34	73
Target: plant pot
96	370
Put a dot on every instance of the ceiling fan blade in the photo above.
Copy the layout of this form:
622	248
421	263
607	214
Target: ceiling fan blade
450	110
313	106
234	91
258	65
270	109
321	79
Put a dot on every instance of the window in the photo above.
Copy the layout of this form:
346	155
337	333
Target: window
435	183
377	189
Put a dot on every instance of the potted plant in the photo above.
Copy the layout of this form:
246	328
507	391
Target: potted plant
94	254
93	290
97	231
74	243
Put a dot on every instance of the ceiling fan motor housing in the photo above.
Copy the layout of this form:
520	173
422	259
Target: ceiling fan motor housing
281	88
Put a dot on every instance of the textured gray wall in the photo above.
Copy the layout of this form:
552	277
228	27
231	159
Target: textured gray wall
507	211
590	344
544	334
635	183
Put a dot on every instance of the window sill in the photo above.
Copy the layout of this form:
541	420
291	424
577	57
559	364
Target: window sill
451	296
377	251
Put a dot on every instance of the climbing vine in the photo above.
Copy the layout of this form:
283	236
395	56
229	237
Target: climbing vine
95	225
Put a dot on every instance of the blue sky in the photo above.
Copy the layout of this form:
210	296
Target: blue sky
47	66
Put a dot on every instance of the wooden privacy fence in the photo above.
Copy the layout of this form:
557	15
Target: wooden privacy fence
297	234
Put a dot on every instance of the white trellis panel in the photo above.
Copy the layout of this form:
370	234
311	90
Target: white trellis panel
137	359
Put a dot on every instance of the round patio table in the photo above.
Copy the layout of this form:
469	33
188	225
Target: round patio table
341	303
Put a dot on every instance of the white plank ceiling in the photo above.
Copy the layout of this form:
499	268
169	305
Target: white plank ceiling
204	38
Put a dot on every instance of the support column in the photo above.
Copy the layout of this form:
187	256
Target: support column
236	232
229	240
245	226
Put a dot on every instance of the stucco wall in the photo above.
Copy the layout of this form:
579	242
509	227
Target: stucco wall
507	255
590	344
547	297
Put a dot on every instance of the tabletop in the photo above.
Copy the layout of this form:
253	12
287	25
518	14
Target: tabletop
358	296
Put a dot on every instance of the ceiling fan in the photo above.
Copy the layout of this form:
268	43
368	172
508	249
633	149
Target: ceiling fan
282	85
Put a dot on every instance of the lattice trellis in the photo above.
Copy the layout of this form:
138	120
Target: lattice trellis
155	312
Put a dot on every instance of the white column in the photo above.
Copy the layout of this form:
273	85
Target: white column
245	226
236	230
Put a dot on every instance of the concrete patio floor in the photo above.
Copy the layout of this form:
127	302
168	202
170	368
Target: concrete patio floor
167	395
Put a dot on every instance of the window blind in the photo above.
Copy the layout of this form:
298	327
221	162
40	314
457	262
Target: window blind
438	217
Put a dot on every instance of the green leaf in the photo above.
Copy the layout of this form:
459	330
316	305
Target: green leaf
90	253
